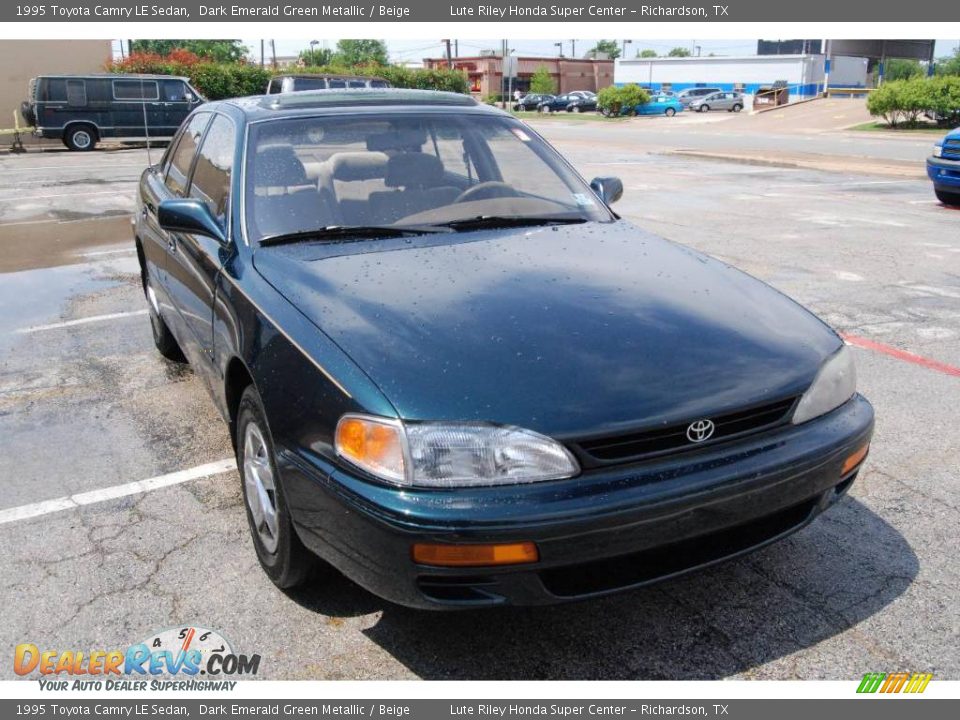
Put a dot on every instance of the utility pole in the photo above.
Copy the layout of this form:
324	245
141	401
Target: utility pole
449	57
559	47
261	54
573	49
456	48
273	52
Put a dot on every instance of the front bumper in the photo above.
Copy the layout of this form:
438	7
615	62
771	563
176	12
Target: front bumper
944	173
598	533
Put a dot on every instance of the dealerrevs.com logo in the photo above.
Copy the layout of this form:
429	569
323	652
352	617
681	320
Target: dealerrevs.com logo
899	682
182	658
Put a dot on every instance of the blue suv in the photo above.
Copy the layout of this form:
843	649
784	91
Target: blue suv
943	167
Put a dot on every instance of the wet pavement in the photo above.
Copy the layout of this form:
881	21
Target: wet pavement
86	404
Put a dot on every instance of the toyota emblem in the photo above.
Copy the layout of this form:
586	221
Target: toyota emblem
700	430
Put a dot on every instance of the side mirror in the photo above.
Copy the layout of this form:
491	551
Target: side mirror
188	96
189	216
610	189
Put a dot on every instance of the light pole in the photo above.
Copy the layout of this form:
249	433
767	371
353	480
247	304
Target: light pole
559	47
573	49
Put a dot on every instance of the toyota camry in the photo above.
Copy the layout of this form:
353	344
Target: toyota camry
453	373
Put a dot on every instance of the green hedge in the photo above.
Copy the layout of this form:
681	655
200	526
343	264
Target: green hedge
224	80
905	101
612	100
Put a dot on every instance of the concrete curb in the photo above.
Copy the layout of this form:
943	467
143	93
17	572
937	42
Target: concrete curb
860	166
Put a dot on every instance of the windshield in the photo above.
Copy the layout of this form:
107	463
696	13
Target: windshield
306	174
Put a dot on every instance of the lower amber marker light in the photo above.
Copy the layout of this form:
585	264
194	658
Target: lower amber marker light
854	459
449	555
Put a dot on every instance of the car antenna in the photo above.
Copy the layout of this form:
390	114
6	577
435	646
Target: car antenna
146	126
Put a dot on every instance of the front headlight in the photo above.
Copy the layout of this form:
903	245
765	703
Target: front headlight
938	150
450	454
834	385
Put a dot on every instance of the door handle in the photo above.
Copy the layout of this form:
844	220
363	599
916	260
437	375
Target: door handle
172	244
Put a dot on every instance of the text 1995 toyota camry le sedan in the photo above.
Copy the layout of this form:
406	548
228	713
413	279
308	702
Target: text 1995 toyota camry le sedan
454	374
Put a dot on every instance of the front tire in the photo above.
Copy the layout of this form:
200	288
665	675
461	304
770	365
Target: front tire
704	108
575	108
81	138
281	553
669	112
737	108
948	198
162	337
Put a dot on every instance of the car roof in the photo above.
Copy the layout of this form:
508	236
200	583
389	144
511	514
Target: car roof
351	101
114	76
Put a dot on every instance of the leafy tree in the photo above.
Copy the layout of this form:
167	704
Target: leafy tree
679	52
317	56
613	100
648	53
611	48
542	82
949	65
361	52
902	69
215	50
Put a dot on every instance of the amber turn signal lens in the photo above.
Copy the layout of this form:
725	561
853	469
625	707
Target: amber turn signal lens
855	459
475	555
372	445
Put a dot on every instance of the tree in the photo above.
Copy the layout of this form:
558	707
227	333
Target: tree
215	50
316	57
361	52
648	53
902	69
542	82
679	52
610	48
949	65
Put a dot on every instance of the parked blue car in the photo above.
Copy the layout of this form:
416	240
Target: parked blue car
943	167
658	105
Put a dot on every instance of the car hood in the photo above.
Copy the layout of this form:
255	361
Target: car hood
565	329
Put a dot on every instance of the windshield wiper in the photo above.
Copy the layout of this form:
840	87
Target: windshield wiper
338	232
481	222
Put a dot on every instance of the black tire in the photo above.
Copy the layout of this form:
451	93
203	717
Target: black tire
80	138
575	108
737	108
162	337
669	112
948	198
288	563
632	112
703	108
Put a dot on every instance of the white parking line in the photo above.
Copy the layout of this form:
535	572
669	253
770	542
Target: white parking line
80	321
25	512
62	195
108	252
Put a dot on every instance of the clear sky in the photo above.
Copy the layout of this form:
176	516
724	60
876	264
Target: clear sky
416	50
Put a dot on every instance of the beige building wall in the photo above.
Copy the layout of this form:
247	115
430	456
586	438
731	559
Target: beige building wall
21	60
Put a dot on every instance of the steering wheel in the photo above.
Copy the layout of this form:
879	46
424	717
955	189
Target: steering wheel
487	191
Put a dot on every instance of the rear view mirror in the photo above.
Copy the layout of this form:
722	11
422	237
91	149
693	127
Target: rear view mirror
189	216
610	189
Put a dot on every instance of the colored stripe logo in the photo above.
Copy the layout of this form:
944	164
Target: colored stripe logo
900	682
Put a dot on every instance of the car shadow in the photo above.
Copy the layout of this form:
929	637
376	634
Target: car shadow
821	581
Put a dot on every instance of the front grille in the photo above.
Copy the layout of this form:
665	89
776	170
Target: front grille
633	446
951	149
648	566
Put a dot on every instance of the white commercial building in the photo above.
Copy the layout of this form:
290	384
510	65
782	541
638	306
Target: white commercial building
804	75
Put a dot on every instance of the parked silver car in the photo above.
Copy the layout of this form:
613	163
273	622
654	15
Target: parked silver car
690	94
729	101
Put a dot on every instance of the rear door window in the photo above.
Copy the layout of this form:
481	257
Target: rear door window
182	157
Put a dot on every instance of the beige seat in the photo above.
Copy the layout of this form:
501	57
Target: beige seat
284	198
419	184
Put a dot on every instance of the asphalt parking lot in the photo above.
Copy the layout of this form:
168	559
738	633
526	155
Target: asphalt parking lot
88	409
